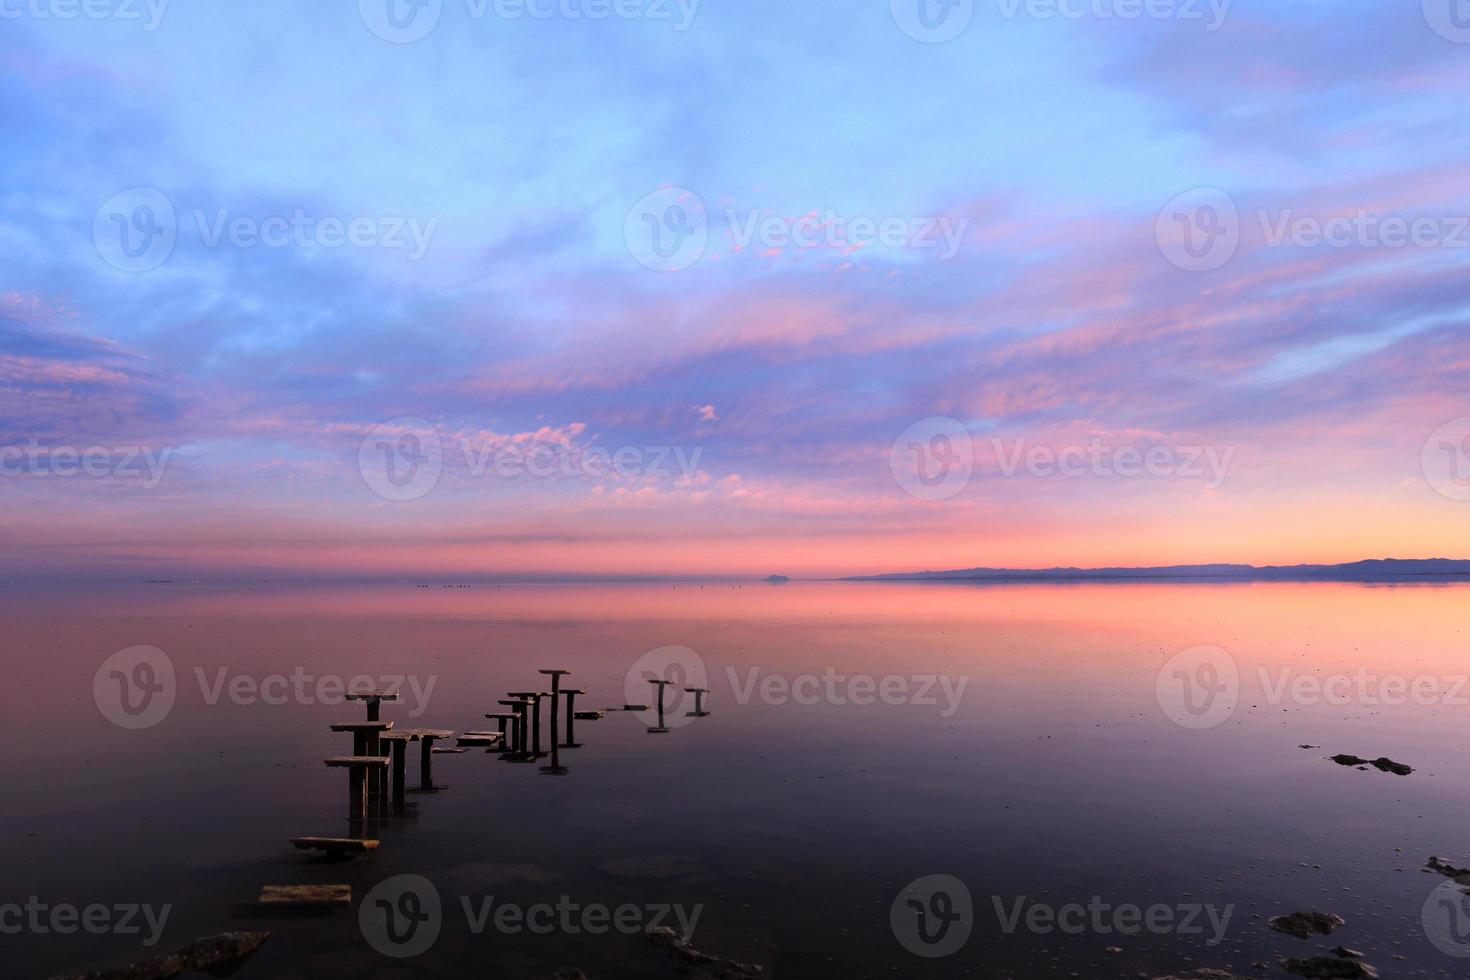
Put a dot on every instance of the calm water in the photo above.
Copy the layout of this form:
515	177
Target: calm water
790	821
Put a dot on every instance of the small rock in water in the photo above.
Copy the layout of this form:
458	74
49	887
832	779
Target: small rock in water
1330	968
687	958
1382	764
1461	875
1303	924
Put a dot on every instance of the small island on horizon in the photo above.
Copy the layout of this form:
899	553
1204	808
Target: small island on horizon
1371	570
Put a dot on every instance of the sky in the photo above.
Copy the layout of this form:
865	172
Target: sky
665	287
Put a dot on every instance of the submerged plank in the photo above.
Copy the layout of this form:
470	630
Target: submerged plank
299	895
357	761
211	953
344	845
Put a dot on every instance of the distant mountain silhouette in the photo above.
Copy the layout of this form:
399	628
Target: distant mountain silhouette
1372	570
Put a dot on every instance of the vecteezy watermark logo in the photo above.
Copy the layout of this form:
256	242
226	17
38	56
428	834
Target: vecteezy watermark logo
846	234
136	231
64	919
97	462
1098	459
682	668
1199	231
1450	19
302	230
1363	687
571	918
1446	919
1211	12
302	688
544	460
933	916
668	230
932	21
933	459
1446	459
679	13
401	459
401	21
404	21
1105	919
401	916
148	12
135	688
1199	688
404	915
1363	229
840	690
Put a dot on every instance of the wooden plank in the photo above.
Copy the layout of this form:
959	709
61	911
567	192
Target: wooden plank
305	895
415	734
356	761
590	715
372	696
344	845
219	955
362	726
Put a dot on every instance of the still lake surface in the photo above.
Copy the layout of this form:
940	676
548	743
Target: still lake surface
791	817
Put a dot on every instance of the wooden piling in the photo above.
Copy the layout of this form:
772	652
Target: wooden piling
571	693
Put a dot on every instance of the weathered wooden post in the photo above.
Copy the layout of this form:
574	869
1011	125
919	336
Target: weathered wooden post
518	705
571	693
534	697
365	743
358	767
660	684
426	759
398	743
556	676
699	693
503	721
373	699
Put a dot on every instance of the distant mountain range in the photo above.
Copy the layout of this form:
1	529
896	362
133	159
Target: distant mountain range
1373	570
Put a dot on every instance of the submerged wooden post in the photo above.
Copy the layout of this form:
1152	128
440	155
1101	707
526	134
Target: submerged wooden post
503	721
534	699
358	767
556	768
661	728
571	693
357	794
365	743
556	676
426	759
518	728
399	745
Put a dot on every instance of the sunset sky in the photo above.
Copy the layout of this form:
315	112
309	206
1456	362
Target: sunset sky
988	233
